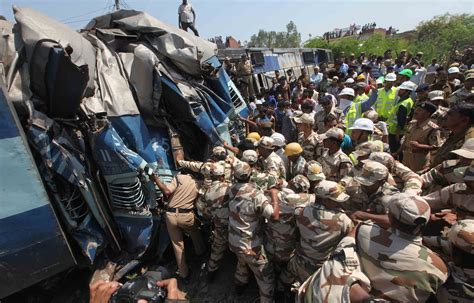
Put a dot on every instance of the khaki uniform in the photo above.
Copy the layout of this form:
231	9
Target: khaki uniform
452	142
453	196
244	72
377	202
460	95
426	133
336	166
180	218
405	179
321	115
399	266
442	175
217	196
247	207
274	165
312	146
321	229
332	282
280	236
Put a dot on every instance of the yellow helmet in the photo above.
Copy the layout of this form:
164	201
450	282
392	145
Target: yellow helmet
253	136
292	149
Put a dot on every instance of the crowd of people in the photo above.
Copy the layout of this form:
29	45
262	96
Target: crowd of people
353	182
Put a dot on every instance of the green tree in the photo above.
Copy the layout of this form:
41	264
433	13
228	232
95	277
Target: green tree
272	39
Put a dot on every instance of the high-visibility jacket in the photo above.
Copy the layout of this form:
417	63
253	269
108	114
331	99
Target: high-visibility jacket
392	118
354	113
385	101
360	98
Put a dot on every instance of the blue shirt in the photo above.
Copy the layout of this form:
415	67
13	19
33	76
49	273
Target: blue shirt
343	69
346	143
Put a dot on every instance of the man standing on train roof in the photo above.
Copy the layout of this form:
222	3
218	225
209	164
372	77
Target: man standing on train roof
187	17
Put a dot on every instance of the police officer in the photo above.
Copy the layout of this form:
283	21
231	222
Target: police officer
270	162
307	138
336	164
245	74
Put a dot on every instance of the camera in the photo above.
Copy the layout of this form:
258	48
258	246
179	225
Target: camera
141	288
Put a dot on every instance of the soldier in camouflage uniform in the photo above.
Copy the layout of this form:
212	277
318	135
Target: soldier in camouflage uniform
361	153
308	139
459	288
297	163
262	180
217	196
443	174
400	268
269	161
458	196
321	225
336	164
247	207
370	192
219	155
314	173
399	176
280	236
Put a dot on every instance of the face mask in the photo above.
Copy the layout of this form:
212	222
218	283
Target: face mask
343	103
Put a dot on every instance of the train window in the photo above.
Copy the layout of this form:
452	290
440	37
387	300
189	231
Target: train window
322	56
308	57
257	58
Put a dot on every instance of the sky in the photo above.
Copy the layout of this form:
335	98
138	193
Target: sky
242	18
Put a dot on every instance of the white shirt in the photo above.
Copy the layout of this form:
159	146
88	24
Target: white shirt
185	13
432	68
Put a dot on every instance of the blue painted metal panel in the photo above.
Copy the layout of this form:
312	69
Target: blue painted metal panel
32	244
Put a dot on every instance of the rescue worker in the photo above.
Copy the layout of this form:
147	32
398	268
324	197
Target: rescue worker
297	163
459	121
269	161
457	196
336	164
386	97
247	206
369	192
346	97
329	108
307	138
400	268
261	179
404	76
397	118
218	197
360	94
357	109
422	137
182	193
314	173
322	225
245	74
361	131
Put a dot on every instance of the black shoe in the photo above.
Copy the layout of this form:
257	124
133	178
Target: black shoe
211	275
240	288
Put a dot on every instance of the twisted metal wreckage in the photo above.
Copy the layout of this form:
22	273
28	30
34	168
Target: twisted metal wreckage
97	109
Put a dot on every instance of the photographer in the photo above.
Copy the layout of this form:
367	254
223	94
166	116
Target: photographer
101	291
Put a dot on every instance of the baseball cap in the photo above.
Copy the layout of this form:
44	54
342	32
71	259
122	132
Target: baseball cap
219	151
407	72
391	77
242	170
266	142
428	106
372	172
314	171
436	95
408	85
217	169
453	70
332	191
409	209
467	149
301	183
305	118
469	74
349	81
250	156
461	235
383	158
347	91
333	133
278	139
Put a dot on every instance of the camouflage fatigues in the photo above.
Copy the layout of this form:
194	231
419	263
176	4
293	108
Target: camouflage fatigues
332	282
217	196
460	95
274	165
442	175
296	168
336	166
312	146
320	229
247	206
264	181
399	266
377	202
454	141
455	196
321	115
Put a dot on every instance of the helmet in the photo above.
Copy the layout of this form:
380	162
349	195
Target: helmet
292	149
363	124
407	72
408	85
278	139
255	136
390	77
347	91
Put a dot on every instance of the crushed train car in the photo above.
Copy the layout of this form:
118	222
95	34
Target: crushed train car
83	116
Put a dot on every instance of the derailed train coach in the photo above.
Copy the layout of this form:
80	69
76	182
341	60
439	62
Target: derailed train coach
83	116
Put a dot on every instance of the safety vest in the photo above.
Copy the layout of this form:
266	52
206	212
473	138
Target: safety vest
354	113
385	101
392	118
360	98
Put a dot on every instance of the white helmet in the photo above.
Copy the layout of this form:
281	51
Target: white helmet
453	70
390	77
408	85
349	81
363	124
278	139
347	92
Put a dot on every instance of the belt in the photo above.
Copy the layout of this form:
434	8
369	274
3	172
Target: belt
179	210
